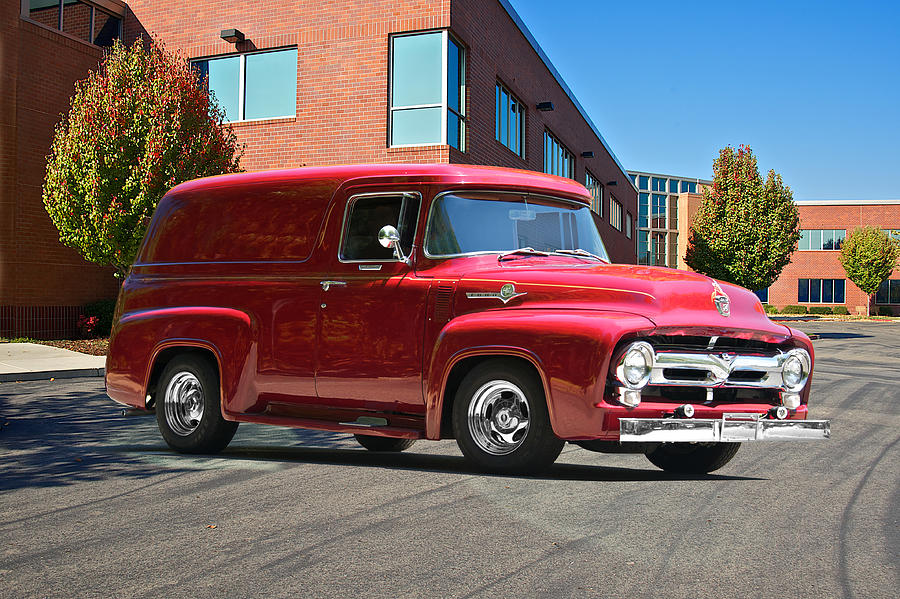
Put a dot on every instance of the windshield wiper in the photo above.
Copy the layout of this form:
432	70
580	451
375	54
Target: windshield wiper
526	251
580	253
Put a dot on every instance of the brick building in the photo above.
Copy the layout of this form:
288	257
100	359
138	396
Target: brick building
318	83
814	276
43	51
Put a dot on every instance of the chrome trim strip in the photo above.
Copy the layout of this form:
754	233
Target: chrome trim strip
718	367
703	430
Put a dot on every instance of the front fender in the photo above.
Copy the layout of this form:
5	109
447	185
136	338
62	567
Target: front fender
570	349
138	338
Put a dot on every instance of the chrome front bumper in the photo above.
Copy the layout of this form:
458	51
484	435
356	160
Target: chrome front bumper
730	428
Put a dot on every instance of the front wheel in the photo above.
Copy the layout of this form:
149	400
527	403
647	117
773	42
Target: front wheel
692	458
501	420
188	411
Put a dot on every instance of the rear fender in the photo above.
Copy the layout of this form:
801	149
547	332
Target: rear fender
140	337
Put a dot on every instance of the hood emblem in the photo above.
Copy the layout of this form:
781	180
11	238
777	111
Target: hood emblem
507	292
720	300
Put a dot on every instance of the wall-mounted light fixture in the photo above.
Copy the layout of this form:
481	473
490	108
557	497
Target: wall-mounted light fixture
612	183
588	154
232	36
545	106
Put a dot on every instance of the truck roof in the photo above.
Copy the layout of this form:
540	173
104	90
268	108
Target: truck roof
489	176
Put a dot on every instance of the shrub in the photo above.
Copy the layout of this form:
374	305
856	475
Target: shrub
87	325
820	310
885	311
103	311
794	310
770	309
841	310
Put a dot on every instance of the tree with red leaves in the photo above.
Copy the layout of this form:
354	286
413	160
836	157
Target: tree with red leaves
745	229
137	127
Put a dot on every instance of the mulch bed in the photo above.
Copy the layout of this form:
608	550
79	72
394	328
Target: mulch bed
93	347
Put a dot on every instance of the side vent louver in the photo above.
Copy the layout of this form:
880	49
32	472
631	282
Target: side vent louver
442	301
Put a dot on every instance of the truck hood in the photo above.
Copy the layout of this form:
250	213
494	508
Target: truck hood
672	299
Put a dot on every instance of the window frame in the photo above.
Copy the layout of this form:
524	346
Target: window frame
348	210
25	14
563	152
511	99
242	80
820	292
446	38
616	213
807	235
595	199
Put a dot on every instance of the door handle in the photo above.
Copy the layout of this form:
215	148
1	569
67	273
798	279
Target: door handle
327	284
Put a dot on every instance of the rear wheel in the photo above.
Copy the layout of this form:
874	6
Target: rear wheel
501	420
692	458
373	443
188	409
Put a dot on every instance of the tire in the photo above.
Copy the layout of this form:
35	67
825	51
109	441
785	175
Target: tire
373	443
692	458
188	409
501	422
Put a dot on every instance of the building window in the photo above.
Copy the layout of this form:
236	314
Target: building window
427	90
615	213
658	248
643	182
658	220
688	187
261	85
893	233
821	239
509	121
77	18
629	225
820	291
659	184
673	185
888	292
557	159
596	189
763	295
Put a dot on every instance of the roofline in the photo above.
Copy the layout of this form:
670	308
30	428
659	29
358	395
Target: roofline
846	202
546	60
670	176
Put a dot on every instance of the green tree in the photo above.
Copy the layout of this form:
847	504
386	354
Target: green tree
869	256
745	229
136	127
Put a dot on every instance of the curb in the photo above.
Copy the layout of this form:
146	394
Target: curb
52	374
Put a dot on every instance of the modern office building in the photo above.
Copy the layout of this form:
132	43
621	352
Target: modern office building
815	276
662	200
303	83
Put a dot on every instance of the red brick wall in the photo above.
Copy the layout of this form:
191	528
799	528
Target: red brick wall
38	276
342	71
342	100
825	264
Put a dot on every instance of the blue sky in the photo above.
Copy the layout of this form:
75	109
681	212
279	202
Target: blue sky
812	87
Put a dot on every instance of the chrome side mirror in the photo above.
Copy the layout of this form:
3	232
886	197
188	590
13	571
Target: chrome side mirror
388	237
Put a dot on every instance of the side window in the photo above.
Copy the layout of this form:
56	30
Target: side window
367	215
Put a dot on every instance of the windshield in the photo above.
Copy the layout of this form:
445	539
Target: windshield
501	222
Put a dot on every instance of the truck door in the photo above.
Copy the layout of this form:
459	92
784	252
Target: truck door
373	312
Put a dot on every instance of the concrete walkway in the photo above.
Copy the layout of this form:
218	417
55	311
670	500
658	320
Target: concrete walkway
32	362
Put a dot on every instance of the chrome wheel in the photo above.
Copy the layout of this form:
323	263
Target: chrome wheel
184	403
499	417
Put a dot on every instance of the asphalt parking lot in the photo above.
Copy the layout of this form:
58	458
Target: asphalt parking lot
94	504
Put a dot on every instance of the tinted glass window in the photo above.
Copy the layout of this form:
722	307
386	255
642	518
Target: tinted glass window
503	222
366	218
224	77
417	70
107	28
271	84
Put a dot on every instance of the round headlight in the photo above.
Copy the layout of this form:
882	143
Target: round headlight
635	365
795	369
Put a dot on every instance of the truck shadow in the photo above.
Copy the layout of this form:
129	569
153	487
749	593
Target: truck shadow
411	461
56	435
